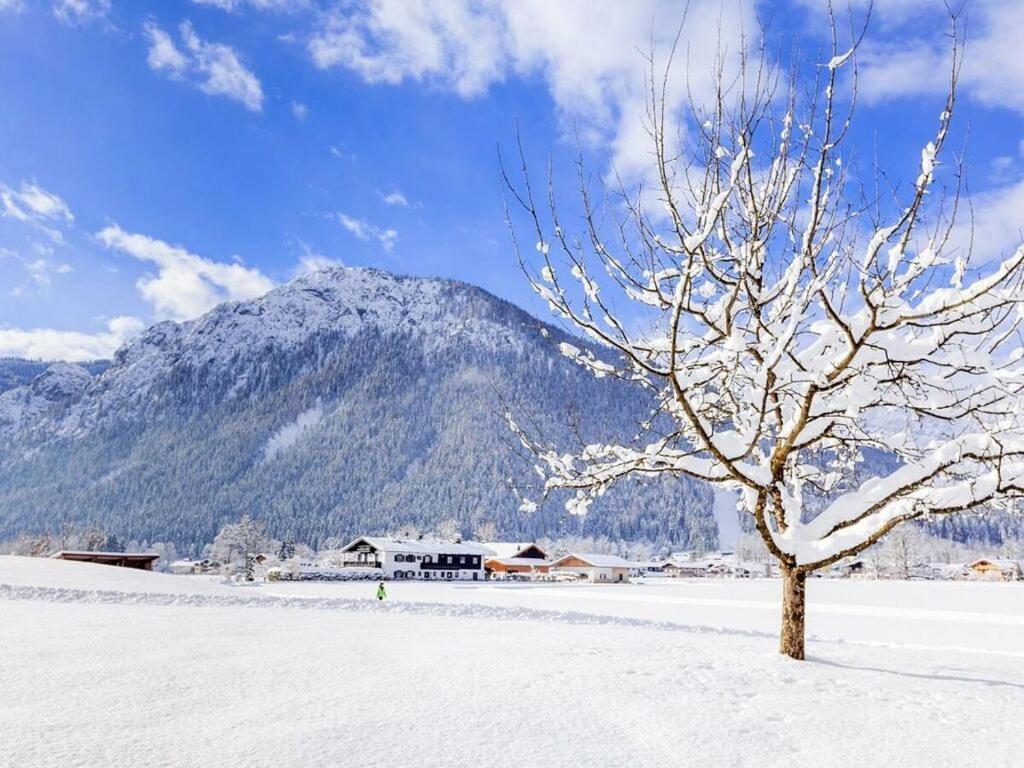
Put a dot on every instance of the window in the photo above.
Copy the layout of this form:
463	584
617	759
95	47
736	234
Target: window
399	558
426	558
462	560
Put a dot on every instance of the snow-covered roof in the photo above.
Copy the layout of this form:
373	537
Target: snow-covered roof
534	562
100	553
506	549
421	546
597	561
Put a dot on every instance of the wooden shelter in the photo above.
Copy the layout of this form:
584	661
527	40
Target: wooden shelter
142	561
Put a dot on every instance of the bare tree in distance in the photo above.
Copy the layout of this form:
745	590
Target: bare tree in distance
905	548
785	318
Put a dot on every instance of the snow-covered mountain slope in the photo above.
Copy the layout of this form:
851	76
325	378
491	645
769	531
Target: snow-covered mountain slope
43	398
226	348
347	400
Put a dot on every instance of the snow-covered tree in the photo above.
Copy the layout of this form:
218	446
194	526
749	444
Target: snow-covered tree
448	530
486	531
904	548
238	543
287	549
168	554
30	545
404	532
787	318
750	548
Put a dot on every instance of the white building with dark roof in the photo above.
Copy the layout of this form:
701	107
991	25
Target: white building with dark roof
417	558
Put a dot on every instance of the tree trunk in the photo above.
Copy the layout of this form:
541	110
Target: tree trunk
794	594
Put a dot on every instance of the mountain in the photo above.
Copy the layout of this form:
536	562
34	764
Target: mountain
348	400
15	372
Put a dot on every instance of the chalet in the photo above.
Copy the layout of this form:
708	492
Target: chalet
510	558
995	570
142	561
417	558
593	567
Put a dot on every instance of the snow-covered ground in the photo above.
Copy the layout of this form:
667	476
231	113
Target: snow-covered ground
100	665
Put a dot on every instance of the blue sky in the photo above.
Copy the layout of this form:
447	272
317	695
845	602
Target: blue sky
158	157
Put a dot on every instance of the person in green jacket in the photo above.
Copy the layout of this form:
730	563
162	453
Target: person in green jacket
381	594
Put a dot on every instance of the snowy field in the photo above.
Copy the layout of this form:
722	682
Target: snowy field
100	665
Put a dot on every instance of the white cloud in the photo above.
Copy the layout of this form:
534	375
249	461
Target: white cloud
41	271
915	58
36	207
300	110
80	11
74	346
164	55
357	227
33	203
396	198
364	230
11	5
997	228
213	68
186	285
259	5
589	54
1002	169
313	261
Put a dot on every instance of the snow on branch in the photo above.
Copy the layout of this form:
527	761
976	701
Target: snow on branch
788	326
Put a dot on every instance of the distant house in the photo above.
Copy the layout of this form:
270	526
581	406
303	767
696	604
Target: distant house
685	569
515	558
187	567
847	569
593	567
417	558
995	569
142	561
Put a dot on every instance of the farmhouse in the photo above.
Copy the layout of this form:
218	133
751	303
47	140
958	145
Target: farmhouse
142	561
516	558
995	569
417	559
593	567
